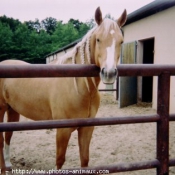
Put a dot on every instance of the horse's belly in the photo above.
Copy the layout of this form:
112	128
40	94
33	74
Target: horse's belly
34	112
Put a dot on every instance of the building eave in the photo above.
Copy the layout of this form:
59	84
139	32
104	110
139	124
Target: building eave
149	9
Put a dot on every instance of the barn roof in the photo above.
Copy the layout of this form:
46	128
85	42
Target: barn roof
143	12
149	9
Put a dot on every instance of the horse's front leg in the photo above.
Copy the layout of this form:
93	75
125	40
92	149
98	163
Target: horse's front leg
2	162
84	138
62	139
12	116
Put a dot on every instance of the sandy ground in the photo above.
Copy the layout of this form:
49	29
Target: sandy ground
109	145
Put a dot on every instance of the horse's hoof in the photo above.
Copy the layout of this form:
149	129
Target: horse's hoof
8	168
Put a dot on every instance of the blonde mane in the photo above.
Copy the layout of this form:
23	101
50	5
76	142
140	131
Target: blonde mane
83	47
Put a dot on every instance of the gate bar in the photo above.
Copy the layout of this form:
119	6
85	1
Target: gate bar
48	124
107	90
66	70
172	117
144	69
121	167
163	123
45	70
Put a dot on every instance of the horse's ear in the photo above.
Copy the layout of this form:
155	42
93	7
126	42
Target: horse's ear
122	19
98	16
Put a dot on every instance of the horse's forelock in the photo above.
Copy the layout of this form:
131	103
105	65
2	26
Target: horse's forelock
107	25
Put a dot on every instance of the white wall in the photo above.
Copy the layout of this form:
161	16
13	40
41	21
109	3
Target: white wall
161	26
57	55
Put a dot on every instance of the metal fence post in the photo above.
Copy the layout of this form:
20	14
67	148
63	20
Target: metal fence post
163	123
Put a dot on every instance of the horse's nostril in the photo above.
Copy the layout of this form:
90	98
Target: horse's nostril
103	71
109	73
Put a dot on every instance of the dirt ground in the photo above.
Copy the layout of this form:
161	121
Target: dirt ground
110	144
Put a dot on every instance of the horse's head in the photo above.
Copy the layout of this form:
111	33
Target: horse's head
107	40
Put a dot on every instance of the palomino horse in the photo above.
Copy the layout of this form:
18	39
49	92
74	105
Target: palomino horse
64	98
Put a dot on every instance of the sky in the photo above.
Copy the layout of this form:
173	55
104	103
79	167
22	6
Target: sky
26	10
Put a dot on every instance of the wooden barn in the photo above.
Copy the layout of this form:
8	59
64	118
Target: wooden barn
149	36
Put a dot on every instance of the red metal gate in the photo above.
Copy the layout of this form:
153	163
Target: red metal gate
162	118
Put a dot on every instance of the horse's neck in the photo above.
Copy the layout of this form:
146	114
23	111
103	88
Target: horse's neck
82	54
90	83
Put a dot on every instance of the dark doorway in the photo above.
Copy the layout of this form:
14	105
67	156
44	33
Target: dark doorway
148	58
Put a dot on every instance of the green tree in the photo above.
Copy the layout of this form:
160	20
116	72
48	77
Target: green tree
34	25
69	34
83	29
64	34
58	36
13	23
76	23
49	24
21	39
32	40
5	41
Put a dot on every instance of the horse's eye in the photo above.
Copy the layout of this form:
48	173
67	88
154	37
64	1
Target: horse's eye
98	40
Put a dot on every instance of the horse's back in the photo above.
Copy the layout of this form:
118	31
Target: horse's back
6	62
3	104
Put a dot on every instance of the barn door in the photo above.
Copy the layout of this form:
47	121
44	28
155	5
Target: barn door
128	85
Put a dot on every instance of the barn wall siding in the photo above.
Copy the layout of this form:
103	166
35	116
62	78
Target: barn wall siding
159	26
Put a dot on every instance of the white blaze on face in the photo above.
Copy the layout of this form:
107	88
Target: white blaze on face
110	54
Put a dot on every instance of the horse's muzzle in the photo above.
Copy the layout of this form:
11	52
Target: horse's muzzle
108	76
